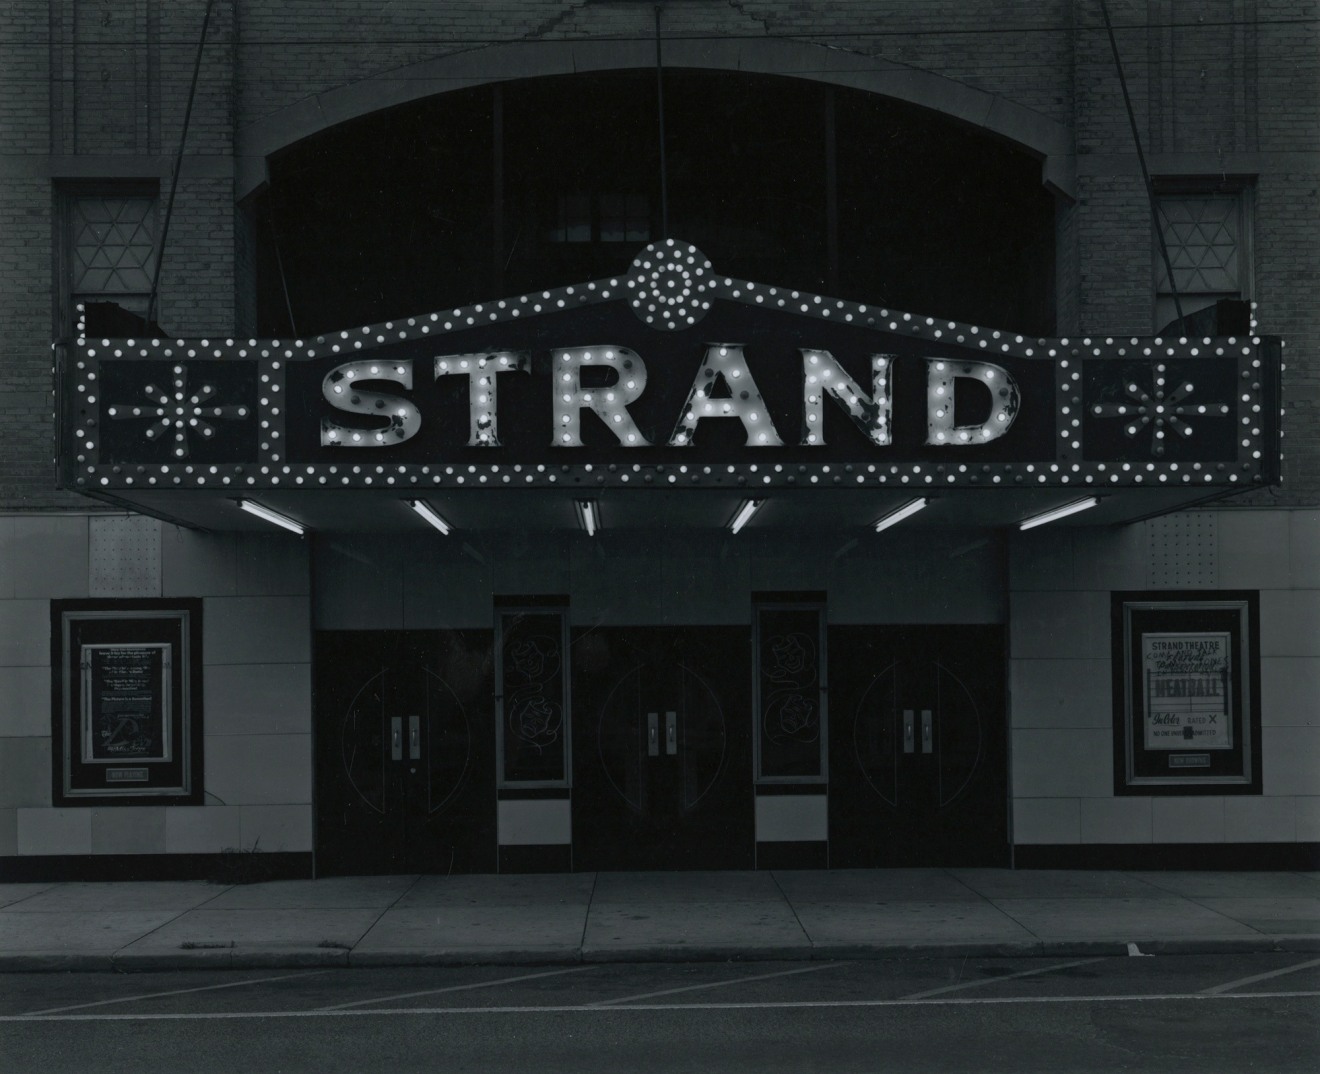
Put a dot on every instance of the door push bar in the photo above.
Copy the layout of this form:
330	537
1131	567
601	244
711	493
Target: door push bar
927	731
653	734
414	738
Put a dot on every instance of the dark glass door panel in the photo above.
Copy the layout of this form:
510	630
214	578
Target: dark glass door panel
405	777
662	757
918	756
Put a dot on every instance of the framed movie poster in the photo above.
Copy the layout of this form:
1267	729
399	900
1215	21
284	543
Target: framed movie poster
127	701
1186	692
789	690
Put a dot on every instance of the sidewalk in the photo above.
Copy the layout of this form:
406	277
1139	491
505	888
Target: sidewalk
410	920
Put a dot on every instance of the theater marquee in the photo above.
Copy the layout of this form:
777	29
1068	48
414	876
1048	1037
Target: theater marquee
670	373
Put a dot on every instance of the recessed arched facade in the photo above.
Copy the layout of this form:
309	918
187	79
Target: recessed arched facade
520	185
1051	142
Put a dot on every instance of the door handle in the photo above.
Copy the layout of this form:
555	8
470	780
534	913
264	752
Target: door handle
926	742
652	734
396	738
909	732
414	738
671	735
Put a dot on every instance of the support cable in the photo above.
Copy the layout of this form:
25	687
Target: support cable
660	109
178	164
1141	158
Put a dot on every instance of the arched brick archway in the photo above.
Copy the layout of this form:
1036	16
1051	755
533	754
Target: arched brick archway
1048	140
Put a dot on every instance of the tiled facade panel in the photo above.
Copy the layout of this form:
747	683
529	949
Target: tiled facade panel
256	681
1062	692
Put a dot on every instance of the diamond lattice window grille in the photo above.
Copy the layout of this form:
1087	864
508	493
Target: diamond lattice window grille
114	245
1202	233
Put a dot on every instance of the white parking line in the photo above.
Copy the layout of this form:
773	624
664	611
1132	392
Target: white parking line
455	988
1006	977
1259	977
175	992
716	984
957	1001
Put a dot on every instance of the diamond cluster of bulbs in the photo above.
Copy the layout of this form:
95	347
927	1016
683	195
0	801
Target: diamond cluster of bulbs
669	286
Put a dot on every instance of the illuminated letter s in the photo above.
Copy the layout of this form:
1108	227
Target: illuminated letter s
341	391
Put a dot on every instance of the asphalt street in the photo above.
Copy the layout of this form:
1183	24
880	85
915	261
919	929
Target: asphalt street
1202	1013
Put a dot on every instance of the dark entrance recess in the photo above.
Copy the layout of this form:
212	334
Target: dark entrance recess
405	777
662	749
918	757
498	190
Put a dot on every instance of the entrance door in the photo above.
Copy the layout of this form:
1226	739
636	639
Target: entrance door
662	768
404	752
918	761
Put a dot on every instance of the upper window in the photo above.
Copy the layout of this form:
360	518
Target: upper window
110	251
1207	236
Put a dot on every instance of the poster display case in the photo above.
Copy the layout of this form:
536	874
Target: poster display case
1186	693
127	702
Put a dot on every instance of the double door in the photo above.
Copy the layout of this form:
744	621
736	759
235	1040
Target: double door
404	752
662	765
918	765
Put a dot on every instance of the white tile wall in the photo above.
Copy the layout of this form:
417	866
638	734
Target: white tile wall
791	818
1058	625
258	699
198	564
128	830
1041	559
1109	558
534	822
25	772
1290	760
201	829
1061	693
1253	550
259	769
276	828
1116	820
54	831
6	557
1251	819
1290	691
1062	764
256	630
272	563
1192	819
24	633
25	701
1308	818
1046	820
1290	622
1304	548
49	556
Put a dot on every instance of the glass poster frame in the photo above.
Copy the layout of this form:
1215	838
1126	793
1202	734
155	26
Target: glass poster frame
127	702
1186	693
790	684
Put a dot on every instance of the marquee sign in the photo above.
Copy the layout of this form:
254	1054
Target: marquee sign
670	373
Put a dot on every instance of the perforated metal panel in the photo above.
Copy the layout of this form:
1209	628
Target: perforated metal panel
1182	550
125	557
